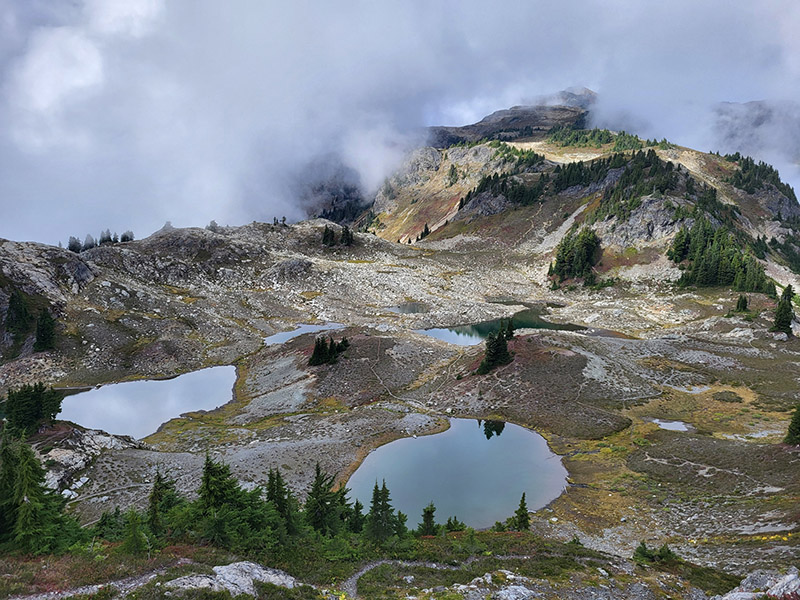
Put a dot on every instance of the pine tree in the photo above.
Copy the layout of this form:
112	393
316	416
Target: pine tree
217	487
380	520
521	519
509	330
321	509
45	332
328	236
39	525
8	464
74	245
793	433
135	541
357	518
319	356
784	313
496	353
428	525
30	406
111	526
162	498
128	235
88	242
18	317
453	524
281	497
452	175
347	236
741	303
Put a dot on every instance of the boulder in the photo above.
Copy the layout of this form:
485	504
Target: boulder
237	578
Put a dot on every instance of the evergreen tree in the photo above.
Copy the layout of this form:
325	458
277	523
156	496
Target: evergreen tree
508	332
105	237
163	497
428	525
8	464
496	353
281	497
45	332
453	524
74	245
327	351
328	236
88	242
400	528
741	303
716	258
347	236
128	235
380	524
217	487
322	508
784	313
357	518
521	519
18	317
319	356
793	433
452	175
135	541
111	525
30	406
33	514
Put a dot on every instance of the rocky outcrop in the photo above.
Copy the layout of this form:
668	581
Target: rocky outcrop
769	584
41	270
67	450
236	578
653	221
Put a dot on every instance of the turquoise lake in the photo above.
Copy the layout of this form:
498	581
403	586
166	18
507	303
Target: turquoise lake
469	471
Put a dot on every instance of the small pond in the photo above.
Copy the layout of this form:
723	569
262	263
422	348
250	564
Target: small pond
409	308
672	425
475	470
138	408
468	335
285	336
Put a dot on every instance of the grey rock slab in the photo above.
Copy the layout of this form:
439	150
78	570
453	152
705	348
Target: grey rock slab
237	578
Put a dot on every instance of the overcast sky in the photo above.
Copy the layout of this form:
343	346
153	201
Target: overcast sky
124	114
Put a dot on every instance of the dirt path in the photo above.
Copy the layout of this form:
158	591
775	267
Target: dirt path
122	586
350	585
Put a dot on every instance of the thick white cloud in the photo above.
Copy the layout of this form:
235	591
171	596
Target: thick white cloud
126	114
132	17
61	65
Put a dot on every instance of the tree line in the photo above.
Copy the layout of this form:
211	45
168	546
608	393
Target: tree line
106	237
270	522
752	176
713	257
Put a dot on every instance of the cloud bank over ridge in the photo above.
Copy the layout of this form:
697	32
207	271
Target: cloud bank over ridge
126	114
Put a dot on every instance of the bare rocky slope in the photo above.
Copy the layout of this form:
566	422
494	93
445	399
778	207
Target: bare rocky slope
723	493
